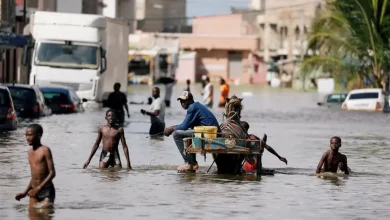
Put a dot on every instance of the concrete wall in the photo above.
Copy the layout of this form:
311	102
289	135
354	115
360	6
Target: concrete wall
218	42
213	63
187	67
221	25
69	6
154	16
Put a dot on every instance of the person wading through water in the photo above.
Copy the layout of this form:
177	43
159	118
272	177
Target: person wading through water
197	115
116	101
156	114
224	93
208	93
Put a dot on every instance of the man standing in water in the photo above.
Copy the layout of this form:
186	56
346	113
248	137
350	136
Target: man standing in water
157	113
333	159
224	93
116	101
41	188
110	133
168	91
188	85
208	93
197	115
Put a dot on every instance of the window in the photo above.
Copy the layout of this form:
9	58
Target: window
74	96
4	98
79	56
22	94
366	95
336	98
56	97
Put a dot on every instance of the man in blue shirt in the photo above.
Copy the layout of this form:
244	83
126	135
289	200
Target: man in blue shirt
197	115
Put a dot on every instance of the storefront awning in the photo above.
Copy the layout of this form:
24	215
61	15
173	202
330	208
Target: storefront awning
10	40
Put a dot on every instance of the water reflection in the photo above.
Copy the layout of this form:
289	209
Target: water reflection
41	214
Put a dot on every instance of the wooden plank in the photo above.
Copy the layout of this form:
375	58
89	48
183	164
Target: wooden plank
223	146
223	151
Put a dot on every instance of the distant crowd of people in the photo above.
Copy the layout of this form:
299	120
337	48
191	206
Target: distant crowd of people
117	100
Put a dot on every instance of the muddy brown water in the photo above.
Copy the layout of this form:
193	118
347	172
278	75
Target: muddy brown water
296	128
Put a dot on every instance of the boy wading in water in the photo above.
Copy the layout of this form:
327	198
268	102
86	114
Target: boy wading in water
111	134
40	189
332	159
250	163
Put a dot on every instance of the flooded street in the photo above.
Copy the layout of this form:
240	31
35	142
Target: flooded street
296	128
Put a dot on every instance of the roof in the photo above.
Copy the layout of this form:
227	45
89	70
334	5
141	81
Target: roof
18	85
3	87
54	89
365	90
55	86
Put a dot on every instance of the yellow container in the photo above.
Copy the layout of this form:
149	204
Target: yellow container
206	131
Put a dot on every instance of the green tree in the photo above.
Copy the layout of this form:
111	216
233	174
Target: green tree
351	38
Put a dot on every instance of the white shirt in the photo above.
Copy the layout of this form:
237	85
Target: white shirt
207	93
158	104
168	91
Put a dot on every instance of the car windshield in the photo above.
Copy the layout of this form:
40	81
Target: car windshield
336	98
4	98
365	95
67	56
55	97
22	94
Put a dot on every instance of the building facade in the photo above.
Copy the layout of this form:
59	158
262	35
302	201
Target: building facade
224	47
161	15
8	59
283	28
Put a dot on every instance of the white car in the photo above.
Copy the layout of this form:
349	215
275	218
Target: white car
364	100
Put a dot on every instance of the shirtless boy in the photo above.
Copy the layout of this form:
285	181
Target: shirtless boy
111	134
40	189
332	159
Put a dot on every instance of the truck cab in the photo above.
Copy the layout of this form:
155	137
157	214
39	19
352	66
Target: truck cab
75	64
73	50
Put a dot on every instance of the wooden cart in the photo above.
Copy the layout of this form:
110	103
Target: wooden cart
245	147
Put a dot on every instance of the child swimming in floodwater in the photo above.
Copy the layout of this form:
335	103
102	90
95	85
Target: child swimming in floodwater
333	159
40	189
251	162
111	134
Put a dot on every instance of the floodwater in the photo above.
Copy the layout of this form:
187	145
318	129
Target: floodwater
296	128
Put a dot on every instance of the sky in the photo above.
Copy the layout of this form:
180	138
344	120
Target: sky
212	7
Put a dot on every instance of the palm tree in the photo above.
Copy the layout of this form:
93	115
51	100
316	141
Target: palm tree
351	37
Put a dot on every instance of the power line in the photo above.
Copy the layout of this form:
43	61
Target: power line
244	12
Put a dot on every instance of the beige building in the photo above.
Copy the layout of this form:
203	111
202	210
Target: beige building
160	15
224	45
283	27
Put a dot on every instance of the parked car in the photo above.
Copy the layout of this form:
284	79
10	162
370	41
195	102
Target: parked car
8	119
62	99
333	100
364	100
28	101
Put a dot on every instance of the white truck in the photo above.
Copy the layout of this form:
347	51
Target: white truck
88	53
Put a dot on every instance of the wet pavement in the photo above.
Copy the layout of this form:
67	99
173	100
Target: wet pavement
296	128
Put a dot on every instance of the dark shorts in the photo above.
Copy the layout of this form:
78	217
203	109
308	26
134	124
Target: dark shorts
48	191
110	158
167	103
120	116
157	128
